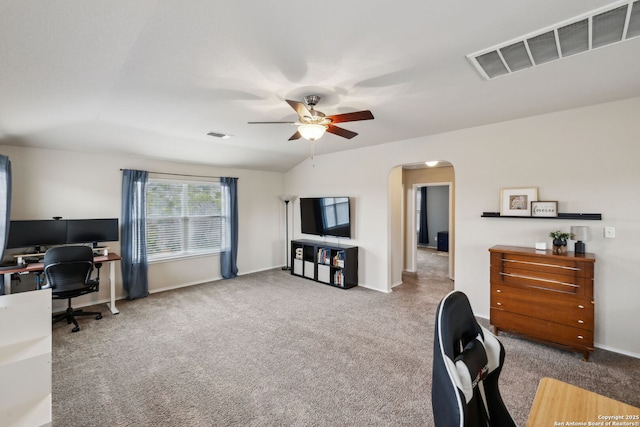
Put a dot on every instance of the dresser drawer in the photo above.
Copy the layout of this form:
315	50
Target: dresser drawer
566	275
566	265
544	330
545	305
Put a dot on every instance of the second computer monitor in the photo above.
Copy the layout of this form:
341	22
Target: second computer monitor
92	230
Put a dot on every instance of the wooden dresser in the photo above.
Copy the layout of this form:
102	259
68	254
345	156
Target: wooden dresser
543	296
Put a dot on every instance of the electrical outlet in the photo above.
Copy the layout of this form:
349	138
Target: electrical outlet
610	232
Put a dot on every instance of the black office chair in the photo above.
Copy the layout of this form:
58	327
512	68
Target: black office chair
67	271
467	360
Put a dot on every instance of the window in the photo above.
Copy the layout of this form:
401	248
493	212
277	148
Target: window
183	218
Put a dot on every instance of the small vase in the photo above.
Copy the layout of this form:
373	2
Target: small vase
559	246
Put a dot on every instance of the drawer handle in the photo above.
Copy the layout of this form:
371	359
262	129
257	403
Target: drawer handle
498	290
539	279
498	303
542	264
580	306
580	337
580	321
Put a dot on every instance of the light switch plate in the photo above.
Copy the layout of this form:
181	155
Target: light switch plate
610	232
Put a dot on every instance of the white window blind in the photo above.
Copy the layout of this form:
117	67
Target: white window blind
183	218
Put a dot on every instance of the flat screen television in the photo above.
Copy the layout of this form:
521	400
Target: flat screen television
325	216
36	233
92	230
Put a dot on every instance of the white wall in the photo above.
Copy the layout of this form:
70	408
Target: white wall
586	159
49	183
365	180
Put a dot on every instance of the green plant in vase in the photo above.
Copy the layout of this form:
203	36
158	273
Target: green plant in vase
560	241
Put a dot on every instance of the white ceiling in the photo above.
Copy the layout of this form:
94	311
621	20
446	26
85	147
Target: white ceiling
151	77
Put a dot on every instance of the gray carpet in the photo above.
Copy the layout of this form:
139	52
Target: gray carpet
269	349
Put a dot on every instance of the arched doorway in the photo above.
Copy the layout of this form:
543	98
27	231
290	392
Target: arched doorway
403	183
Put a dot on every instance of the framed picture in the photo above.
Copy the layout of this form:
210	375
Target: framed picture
544	208
517	201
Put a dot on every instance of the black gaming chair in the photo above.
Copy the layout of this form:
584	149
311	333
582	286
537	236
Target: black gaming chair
67	271
467	360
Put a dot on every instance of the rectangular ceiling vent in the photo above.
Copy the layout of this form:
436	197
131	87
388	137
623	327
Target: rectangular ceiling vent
615	23
219	135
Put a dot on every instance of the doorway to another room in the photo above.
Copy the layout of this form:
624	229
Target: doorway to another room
432	225
429	230
405	181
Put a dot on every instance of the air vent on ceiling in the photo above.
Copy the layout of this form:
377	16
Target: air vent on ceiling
615	23
219	135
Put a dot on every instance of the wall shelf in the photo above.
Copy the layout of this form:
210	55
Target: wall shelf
574	216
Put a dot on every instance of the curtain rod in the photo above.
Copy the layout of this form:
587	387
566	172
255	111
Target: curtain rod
183	174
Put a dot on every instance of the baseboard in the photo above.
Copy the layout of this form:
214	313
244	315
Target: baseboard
373	289
182	285
617	350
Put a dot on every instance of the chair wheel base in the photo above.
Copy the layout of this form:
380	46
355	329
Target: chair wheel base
99	316
76	329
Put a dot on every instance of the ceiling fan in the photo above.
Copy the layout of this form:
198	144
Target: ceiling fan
312	124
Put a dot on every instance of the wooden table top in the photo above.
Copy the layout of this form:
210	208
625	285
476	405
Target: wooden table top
39	266
560	404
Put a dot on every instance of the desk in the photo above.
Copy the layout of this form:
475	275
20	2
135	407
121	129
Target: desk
38	266
560	404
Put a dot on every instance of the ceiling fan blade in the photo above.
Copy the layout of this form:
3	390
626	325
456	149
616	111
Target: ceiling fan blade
352	117
300	108
295	136
340	132
270	123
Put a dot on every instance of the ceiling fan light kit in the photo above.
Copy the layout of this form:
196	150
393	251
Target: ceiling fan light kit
311	131
312	124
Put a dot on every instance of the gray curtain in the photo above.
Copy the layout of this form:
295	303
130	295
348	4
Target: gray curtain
134	233
5	205
423	235
229	249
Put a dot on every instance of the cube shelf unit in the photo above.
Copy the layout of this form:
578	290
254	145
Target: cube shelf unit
331	264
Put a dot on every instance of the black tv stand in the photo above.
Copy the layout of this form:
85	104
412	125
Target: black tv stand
329	263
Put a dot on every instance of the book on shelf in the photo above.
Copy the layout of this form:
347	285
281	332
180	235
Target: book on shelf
324	256
338	259
338	278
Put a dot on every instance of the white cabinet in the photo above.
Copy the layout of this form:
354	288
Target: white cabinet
324	273
308	269
297	267
25	359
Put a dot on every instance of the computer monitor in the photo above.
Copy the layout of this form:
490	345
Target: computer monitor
36	233
92	230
